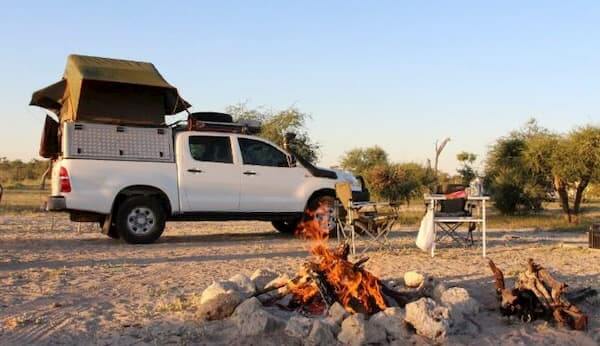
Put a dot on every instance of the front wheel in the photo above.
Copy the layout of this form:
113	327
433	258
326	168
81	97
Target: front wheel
319	212
140	220
286	226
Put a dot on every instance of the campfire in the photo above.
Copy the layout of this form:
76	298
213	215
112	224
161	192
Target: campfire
329	277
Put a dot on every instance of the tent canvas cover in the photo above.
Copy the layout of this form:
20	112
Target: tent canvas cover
110	91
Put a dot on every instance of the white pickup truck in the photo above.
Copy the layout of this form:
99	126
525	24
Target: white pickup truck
207	175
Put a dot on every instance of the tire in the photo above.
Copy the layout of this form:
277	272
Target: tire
313	206
140	220
286	226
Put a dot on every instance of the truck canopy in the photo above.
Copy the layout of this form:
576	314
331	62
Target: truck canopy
110	91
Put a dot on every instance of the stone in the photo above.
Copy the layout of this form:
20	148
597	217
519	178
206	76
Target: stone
391	320
375	331
298	326
244	285
460	304
217	288
321	334
333	325
261	277
337	313
413	279
428	318
252	319
220	307
353	330
438	290
277	282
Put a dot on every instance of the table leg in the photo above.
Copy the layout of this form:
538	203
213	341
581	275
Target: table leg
484	226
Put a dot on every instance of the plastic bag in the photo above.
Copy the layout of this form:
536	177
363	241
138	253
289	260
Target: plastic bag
426	237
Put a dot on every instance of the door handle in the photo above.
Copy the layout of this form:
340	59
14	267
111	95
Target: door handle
250	173
194	170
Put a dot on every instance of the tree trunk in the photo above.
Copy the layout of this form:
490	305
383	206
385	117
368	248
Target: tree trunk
579	196
563	194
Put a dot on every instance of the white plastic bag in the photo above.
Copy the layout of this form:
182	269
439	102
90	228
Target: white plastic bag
426	237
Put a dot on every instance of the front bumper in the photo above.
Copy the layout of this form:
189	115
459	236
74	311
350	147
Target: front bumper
56	203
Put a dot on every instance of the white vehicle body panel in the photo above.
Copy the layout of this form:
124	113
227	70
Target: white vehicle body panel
96	183
209	187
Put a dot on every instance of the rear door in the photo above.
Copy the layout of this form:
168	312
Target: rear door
269	184
209	175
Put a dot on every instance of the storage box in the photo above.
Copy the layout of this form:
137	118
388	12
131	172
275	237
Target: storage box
594	235
113	142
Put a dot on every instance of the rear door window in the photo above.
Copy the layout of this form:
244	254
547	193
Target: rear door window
211	149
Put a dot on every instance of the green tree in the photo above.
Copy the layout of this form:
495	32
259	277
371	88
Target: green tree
360	161
466	171
400	181
275	124
575	164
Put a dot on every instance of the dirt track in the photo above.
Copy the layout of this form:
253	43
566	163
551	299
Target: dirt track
77	286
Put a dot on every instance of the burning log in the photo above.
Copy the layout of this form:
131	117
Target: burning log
537	294
329	276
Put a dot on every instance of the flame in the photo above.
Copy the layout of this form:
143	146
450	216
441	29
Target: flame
355	288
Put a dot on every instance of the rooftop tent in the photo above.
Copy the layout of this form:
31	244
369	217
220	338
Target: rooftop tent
110	91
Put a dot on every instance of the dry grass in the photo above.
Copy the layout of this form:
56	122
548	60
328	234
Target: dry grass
551	218
22	201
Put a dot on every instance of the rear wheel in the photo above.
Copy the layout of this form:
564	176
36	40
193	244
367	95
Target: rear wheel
140	220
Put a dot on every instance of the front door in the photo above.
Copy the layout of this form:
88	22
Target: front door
209	176
269	184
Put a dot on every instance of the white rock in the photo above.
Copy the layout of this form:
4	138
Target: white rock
337	313
217	288
245	286
252	319
333	325
413	279
277	282
438	290
392	322
460	304
298	326
375	331
321	334
261	277
220	307
353	330
428	319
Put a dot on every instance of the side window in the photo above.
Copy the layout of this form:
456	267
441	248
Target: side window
261	154
211	149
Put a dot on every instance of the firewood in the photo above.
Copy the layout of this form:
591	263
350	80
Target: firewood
273	295
537	294
360	263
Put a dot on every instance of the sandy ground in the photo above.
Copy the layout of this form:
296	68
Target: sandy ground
75	286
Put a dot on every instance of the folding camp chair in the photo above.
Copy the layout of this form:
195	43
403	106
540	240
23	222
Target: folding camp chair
372	220
453	213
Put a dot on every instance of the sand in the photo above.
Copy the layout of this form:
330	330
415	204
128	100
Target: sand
70	284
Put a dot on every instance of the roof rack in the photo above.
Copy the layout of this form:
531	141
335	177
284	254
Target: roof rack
220	122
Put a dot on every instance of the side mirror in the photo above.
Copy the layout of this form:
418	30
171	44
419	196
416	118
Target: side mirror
292	161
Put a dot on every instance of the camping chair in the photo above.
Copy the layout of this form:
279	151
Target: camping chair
372	220
452	214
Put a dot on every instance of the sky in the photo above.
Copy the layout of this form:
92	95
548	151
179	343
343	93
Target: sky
396	74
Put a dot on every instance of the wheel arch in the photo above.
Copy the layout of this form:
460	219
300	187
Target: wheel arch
319	193
142	190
